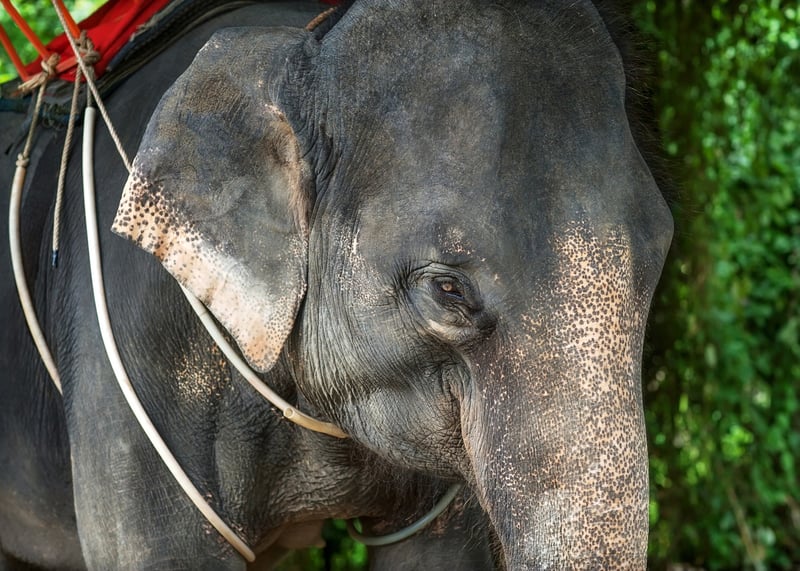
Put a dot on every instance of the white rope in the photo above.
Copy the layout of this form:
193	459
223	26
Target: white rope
230	353
104	320
406	532
15	247
107	335
116	361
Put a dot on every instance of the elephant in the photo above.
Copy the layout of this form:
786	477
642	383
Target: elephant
429	224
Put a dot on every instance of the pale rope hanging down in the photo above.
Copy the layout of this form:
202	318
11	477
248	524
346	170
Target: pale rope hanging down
104	320
116	361
15	245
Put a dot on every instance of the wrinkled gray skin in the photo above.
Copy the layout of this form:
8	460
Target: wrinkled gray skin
430	226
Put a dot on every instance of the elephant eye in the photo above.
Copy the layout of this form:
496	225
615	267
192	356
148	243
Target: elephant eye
450	288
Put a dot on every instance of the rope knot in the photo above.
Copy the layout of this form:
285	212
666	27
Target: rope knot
49	66
48	72
86	49
23	161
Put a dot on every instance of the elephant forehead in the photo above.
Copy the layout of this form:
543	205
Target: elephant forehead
433	229
476	126
425	57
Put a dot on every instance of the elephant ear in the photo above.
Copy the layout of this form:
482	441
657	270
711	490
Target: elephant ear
219	191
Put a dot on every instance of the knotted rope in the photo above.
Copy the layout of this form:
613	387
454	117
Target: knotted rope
48	72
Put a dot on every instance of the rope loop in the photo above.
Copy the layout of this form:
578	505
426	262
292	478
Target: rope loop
49	66
86	49
48	72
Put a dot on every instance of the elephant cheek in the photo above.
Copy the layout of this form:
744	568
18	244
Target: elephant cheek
554	423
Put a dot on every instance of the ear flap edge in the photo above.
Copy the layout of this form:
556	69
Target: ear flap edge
219	193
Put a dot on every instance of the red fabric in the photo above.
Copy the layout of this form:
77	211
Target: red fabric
109	28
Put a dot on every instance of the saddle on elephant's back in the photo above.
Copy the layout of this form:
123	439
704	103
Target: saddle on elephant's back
126	34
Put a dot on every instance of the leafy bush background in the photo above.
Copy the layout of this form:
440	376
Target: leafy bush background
721	386
723	352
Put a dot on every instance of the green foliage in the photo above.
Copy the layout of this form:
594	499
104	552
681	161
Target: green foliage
722	408
340	553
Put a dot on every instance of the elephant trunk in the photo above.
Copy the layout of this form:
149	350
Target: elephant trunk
565	485
554	426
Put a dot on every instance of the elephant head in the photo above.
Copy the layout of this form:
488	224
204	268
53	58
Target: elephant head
437	213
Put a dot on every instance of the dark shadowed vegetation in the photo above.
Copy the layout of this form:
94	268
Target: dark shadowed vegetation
724	367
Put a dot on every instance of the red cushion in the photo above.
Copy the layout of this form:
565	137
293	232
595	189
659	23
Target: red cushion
109	28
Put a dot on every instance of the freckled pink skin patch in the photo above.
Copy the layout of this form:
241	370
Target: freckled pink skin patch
248	307
559	417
